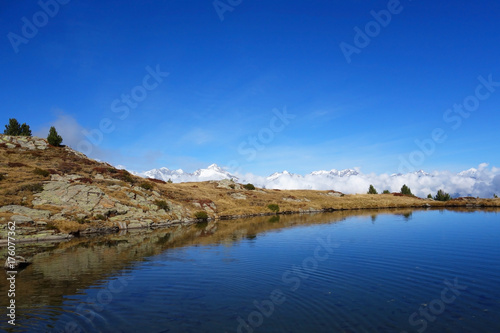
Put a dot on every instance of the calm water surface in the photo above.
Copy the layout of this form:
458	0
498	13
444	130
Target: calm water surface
432	271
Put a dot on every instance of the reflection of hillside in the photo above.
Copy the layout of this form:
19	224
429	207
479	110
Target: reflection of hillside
64	268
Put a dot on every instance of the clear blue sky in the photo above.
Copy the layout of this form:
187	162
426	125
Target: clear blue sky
227	76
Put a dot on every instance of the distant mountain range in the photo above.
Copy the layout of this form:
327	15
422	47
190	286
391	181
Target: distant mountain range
213	172
482	182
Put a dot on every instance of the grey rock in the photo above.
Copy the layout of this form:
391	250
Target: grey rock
21	219
21	210
238	196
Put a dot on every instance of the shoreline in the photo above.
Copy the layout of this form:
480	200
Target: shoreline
159	225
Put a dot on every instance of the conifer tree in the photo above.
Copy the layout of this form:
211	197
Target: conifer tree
53	138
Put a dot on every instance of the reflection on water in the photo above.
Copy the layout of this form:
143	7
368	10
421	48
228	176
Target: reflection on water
93	272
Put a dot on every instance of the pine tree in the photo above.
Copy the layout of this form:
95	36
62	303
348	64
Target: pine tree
53	138
442	196
25	130
372	190
13	128
406	190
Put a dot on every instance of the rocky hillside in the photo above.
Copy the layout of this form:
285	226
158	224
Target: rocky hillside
55	192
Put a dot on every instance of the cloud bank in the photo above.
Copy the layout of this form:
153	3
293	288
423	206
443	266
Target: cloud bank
483	181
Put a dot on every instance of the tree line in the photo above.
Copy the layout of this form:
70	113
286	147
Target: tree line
440	196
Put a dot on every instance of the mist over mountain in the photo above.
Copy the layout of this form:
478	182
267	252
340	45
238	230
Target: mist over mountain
483	181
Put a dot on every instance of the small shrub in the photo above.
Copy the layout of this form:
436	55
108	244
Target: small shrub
162	204
406	190
81	220
41	172
2	176
442	196
146	185
201	215
372	190
101	170
51	226
494	195
386	192
429	196
69	167
84	180
125	176
274	207
170	181
35	188
15	165
249	187
100	217
159	181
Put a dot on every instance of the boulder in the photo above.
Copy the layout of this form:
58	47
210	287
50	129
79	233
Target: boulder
238	196
21	219
21	210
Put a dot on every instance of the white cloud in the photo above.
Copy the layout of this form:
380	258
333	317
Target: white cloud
67	127
482	182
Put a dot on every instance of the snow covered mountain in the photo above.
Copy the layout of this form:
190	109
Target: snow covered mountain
483	181
212	172
471	173
335	173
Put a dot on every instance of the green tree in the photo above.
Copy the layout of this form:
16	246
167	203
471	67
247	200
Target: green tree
372	190
201	215
13	128
442	196
429	196
25	130
53	138
249	186
386	192
274	207
406	190
495	196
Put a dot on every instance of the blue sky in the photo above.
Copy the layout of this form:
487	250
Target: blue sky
227	79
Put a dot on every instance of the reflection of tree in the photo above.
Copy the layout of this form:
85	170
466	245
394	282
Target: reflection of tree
374	218
274	219
407	216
